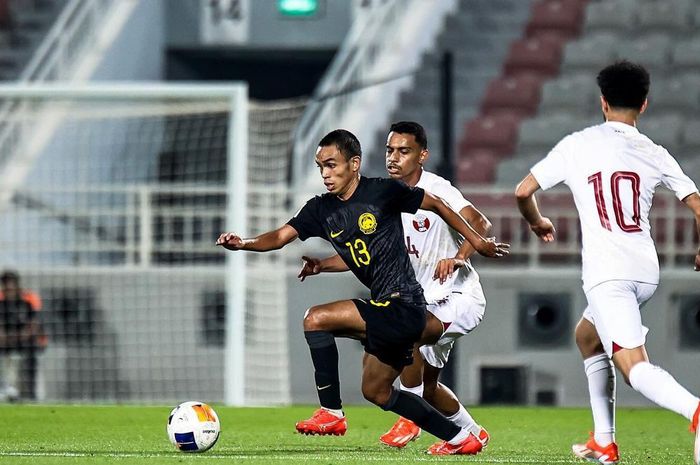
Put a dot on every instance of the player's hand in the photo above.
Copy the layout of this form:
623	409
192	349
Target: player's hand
697	261
544	229
311	266
230	241
446	267
490	248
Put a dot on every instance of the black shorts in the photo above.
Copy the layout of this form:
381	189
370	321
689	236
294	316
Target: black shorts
393	327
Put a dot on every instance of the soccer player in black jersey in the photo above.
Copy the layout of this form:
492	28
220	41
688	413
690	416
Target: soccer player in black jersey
361	218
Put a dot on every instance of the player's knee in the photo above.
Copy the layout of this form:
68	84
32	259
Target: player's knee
376	393
313	319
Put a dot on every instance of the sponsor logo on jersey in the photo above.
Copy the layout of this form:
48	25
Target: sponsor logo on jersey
421	223
367	223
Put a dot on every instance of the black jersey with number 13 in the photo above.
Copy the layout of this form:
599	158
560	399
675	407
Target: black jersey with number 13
367	233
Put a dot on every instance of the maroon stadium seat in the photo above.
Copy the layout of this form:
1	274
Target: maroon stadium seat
519	94
564	17
479	168
535	55
498	134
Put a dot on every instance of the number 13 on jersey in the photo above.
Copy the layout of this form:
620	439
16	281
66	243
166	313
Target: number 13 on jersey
358	251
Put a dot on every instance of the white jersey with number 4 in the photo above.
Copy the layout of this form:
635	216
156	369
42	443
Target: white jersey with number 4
429	239
613	170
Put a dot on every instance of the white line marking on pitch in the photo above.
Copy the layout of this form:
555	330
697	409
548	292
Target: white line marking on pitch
289	458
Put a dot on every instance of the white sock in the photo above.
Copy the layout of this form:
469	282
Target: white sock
601	389
461	436
418	390
337	412
464	420
657	385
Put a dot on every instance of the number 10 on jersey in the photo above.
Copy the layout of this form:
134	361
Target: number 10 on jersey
615	180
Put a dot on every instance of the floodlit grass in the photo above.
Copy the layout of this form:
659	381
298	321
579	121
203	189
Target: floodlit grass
136	435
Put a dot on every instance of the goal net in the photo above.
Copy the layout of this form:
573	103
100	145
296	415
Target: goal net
111	200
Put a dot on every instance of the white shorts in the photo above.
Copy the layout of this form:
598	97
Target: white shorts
613	308
460	314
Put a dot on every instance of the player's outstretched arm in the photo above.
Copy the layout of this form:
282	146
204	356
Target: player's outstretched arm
313	266
527	204
447	266
692	201
486	247
272	240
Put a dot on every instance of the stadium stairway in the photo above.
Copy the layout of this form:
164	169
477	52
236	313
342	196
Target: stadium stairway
662	36
478	34
514	96
23	24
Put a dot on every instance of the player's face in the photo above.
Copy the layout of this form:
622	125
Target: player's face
336	171
404	156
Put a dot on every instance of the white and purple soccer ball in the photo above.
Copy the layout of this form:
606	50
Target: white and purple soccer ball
193	427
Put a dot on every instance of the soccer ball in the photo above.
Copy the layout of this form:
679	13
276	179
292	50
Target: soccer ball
193	427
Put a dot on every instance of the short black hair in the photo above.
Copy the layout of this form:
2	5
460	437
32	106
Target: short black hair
346	142
411	127
9	276
624	84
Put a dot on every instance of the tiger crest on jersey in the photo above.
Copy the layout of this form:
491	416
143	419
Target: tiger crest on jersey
421	223
367	223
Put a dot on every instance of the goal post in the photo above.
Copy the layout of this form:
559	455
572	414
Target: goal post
128	186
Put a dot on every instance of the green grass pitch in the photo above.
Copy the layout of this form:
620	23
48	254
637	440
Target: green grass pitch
125	435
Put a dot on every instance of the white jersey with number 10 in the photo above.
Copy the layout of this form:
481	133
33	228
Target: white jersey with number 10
429	239
613	170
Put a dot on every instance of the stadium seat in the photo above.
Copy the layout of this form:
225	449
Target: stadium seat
616	17
653	51
670	17
496	133
511	171
540	134
675	94
664	130
686	55
478	168
590	53
691	138
576	93
563	17
536	55
519	94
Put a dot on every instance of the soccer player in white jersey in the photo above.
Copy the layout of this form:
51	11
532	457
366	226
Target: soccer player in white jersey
612	171
440	259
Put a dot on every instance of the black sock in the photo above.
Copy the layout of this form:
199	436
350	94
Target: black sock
422	414
324	355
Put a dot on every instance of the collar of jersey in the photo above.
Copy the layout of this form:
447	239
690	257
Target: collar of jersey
624	127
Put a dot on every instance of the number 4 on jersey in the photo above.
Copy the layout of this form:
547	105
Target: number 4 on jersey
618	176
411	248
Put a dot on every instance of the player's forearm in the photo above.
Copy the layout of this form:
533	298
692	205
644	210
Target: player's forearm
483	227
334	264
264	242
528	208
455	221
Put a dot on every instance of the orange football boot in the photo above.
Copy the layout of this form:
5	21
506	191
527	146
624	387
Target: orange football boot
472	445
595	453
323	422
403	432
